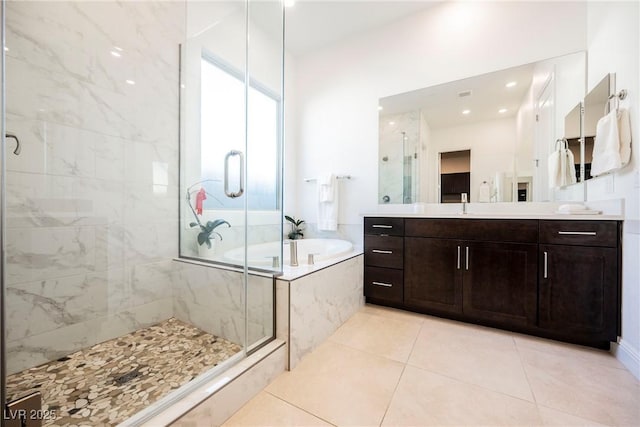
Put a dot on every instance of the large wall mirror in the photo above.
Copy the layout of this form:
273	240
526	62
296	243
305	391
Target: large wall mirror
489	136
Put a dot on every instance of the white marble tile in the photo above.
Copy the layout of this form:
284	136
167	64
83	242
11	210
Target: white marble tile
149	282
146	202
150	242
211	299
62	201
38	254
219	407
321	302
37	307
51	345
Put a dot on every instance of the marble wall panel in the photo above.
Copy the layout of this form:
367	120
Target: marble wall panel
92	199
322	301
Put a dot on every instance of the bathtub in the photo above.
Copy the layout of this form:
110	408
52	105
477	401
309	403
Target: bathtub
262	254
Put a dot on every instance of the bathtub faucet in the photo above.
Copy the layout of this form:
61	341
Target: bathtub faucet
293	253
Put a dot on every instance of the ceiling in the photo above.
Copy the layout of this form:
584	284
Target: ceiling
442	106
313	24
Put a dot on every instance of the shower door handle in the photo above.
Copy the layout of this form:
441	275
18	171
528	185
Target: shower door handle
12	136
240	191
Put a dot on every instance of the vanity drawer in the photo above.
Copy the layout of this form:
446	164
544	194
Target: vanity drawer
579	233
384	251
384	226
383	284
489	230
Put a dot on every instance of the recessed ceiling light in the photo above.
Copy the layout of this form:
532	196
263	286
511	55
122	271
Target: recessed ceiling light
465	112
511	84
116	54
131	82
379	107
6	49
502	110
392	123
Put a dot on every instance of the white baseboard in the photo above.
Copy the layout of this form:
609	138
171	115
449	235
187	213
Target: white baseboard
628	356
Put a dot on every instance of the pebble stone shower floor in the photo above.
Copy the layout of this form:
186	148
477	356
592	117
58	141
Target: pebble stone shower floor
113	380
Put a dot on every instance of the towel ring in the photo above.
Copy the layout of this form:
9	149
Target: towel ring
564	142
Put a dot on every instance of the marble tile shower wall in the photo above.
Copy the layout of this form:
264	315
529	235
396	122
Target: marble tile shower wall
196	286
92	93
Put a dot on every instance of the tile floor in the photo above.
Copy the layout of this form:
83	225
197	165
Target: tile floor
394	368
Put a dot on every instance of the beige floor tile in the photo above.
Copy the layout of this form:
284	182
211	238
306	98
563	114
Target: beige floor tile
393	313
591	355
603	394
379	335
480	356
551	417
341	385
425	399
268	410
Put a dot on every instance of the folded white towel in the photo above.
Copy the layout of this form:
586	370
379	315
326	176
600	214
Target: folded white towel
576	209
326	188
606	146
328	198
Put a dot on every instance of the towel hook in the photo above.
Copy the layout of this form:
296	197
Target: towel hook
564	142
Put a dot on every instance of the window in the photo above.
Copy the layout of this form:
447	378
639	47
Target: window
223	129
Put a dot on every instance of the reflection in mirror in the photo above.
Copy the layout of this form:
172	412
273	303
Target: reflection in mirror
397	179
572	133
594	108
508	119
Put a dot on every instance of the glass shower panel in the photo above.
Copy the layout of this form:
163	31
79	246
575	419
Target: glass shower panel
265	101
100	319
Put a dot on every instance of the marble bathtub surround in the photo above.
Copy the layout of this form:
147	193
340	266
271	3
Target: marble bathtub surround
317	304
109	382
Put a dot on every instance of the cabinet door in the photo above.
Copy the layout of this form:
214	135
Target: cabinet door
579	290
500	282
432	275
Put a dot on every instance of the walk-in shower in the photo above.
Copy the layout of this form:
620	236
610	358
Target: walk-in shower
140	124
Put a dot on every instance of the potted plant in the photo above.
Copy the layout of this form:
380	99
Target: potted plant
296	227
206	236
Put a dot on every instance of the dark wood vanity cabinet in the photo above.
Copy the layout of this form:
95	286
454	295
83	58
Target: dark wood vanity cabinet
384	260
433	275
486	275
558	279
578	279
500	282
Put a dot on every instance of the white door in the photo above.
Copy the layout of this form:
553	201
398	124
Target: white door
544	142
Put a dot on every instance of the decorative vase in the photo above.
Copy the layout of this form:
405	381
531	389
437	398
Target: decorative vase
205	252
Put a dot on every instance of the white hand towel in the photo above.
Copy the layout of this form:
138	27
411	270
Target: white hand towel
624	132
570	169
326	188
328	198
606	147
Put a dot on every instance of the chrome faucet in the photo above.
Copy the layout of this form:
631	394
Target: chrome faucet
463	198
293	253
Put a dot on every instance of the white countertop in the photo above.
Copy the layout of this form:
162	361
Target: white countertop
499	216
611	210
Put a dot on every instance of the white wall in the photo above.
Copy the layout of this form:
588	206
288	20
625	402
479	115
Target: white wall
338	87
492	145
613	47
